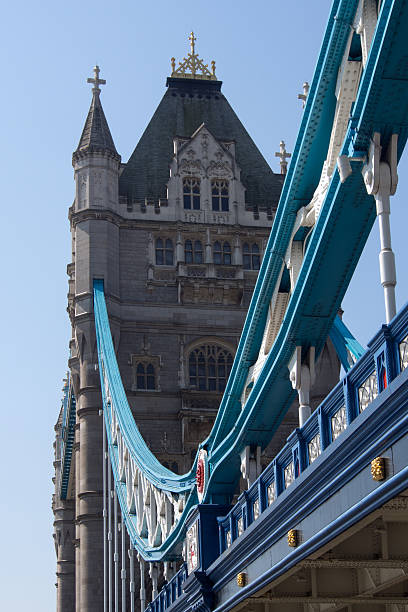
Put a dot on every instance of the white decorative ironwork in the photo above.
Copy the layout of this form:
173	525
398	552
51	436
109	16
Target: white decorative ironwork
367	392
240	525
271	493
338	422
255	509
228	538
289	474
314	448
192	547
157	512
403	353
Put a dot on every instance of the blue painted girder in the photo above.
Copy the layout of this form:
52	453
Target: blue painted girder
336	244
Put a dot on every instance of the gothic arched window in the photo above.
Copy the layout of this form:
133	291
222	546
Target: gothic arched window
251	258
191	193
209	366
222	253
220	195
193	251
164	252
145	376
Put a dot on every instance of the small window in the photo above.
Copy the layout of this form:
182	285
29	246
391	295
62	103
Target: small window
222	253
251	258
145	377
193	252
191	193
220	195
164	252
209	367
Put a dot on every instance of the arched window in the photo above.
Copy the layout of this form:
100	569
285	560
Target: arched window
145	376
220	195
164	252
191	193
209	366
222	253
251	258
193	252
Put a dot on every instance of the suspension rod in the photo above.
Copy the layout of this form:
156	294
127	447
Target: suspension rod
105	519
110	532
131	553
116	553
123	571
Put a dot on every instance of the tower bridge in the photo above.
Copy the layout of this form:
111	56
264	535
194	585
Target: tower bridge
209	456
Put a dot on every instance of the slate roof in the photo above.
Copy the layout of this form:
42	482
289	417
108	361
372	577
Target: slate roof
96	134
187	104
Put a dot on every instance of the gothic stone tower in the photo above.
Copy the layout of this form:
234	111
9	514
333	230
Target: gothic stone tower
177	234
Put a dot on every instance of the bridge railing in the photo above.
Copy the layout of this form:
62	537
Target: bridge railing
386	358
170	592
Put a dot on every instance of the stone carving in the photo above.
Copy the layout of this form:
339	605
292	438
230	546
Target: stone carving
191	165
219	168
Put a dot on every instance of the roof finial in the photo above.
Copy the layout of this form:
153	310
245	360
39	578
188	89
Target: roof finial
192	40
283	154
303	96
96	81
192	67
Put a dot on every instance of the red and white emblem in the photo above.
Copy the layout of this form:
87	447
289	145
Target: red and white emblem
201	474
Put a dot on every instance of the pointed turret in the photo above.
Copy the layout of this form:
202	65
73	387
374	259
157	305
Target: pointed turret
96	161
96	136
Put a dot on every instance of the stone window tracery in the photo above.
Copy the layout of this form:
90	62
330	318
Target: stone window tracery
164	252
222	253
250	256
191	193
193	252
220	195
145	377
209	366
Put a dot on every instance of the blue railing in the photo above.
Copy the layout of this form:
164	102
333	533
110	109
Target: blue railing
385	358
170	592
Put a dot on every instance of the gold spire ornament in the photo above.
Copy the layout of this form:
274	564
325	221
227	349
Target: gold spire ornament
192	67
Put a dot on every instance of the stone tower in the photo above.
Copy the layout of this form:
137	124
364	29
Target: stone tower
177	234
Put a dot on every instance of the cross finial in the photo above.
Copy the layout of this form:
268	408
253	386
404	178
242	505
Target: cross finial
192	40
96	81
303	96
283	155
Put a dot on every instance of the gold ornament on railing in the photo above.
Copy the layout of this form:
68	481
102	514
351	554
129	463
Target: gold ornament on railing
293	538
192	67
378	468
241	579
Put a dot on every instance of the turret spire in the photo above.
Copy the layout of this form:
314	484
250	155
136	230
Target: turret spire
96	134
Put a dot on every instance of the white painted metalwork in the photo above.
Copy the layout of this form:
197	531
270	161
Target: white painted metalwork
403	353
289	474
314	448
271	493
338	422
367	392
157	511
240	526
255	509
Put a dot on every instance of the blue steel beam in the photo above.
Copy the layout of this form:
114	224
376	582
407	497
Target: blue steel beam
336	243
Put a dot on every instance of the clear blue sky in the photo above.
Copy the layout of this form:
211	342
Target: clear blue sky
264	51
